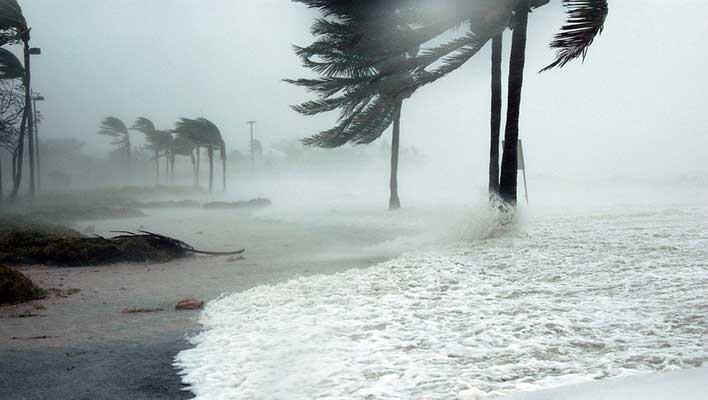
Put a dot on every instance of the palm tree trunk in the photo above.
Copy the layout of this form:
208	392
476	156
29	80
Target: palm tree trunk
18	158
197	174
495	115
394	202
509	168
28	107
128	154
172	168
167	167
223	164
157	167
211	167
194	167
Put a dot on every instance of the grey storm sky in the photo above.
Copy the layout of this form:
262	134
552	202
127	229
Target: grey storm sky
635	107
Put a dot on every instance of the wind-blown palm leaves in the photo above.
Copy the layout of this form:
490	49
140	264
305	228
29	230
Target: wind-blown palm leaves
586	20
160	142
10	66
203	133
115	128
12	22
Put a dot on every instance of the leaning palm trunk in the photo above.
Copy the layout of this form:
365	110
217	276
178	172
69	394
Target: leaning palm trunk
495	116
509	168
394	202
18	158
210	153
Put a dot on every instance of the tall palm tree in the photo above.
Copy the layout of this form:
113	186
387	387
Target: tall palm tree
203	133
115	128
160	142
368	106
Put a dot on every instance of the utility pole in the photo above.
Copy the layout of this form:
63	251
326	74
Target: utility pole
37	97
253	162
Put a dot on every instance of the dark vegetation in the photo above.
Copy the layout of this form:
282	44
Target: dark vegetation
16	288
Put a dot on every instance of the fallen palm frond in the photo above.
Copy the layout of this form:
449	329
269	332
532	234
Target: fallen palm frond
27	247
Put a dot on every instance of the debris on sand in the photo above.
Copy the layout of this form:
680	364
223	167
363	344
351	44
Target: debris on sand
254	203
189	304
140	310
28	246
16	288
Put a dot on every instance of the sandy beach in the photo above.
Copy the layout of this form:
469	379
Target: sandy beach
82	347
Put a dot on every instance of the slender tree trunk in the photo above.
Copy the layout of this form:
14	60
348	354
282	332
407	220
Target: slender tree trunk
129	156
157	167
198	162
194	167
211	167
223	164
28	107
18	158
495	115
394	202
509	168
167	167
172	168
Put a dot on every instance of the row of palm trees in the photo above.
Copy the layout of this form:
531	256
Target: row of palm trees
372	55
15	30
187	139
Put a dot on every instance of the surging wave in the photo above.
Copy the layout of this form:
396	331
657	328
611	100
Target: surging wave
574	298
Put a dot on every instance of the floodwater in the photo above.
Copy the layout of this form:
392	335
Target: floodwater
562	297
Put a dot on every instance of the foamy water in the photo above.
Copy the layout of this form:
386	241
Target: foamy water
561	299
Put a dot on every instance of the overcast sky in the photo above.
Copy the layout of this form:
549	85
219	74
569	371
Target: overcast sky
635	107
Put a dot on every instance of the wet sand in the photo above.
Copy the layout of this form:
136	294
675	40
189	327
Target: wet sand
82	346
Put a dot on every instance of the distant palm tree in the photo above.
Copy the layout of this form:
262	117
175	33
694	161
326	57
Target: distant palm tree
160	142
183	146
203	133
115	128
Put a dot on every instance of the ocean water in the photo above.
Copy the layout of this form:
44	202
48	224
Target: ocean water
560	298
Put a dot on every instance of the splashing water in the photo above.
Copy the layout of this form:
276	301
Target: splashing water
572	298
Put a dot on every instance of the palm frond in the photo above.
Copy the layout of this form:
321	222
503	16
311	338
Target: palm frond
586	20
10	66
111	126
143	125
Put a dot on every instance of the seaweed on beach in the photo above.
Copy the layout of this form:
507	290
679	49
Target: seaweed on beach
33	246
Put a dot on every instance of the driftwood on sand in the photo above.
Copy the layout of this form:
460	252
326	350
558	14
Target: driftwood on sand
26	247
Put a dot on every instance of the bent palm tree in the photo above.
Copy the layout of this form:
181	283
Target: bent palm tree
203	133
184	147
160	142
115	128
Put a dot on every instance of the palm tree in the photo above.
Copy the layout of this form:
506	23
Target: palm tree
115	128
203	133
368	105
183	146
160	142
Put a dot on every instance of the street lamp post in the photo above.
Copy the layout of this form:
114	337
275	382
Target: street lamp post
30	51
37	97
253	162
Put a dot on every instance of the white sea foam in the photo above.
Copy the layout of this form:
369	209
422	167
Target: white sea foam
566	299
